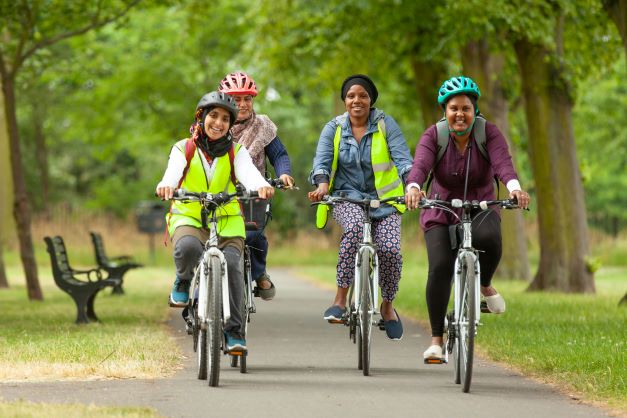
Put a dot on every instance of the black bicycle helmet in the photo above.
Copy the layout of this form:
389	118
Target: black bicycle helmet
216	98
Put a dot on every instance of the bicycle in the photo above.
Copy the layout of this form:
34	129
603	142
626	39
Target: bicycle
363	294
249	292
209	289
461	323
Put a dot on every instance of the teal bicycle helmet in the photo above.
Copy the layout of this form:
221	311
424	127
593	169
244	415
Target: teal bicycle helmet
455	86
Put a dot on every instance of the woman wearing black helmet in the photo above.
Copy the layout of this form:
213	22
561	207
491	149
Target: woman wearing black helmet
458	97
208	162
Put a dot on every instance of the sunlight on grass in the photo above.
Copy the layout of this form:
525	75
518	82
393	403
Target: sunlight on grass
132	341
23	409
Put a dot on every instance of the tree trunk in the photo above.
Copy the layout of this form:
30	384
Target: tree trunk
21	210
428	76
41	154
6	194
484	68
617	10
561	209
4	283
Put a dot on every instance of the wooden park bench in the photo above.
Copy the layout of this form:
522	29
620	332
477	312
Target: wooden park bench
115	267
82	290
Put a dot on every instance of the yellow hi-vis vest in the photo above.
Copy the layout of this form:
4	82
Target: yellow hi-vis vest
386	179
230	220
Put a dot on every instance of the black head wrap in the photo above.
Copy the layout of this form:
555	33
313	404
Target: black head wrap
365	82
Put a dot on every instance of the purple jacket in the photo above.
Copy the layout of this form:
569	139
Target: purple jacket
449	174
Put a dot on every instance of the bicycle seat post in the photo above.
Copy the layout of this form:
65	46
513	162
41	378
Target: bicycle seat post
367	229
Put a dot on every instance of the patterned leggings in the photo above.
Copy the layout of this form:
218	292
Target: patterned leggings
387	237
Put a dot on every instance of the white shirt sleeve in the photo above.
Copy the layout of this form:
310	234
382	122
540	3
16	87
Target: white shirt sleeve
513	185
174	171
410	185
246	172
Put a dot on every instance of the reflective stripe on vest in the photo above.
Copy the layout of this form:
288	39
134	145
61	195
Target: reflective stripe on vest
230	220
386	179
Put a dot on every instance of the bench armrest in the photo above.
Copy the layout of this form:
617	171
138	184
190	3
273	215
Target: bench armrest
89	273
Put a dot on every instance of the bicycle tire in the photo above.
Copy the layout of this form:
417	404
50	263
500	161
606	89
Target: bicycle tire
247	289
201	351
360	359
365	312
467	324
242	363
214	325
200	335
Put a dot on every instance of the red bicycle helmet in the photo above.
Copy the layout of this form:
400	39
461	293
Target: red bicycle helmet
238	83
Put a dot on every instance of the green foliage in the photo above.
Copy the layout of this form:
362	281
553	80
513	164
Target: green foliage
113	101
599	118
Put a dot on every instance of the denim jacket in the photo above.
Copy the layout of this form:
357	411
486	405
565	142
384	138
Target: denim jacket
354	176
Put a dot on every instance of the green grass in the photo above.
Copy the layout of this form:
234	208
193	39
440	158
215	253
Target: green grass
41	341
23	409
576	342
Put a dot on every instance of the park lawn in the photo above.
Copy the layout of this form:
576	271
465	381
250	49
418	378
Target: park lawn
21	409
577	343
41	341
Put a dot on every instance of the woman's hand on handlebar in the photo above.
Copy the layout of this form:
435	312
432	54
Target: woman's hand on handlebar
165	192
413	196
321	190
287	180
522	198
265	192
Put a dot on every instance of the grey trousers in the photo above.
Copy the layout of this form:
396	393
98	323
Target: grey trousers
188	250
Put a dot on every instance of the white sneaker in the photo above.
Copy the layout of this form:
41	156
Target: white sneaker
496	303
434	352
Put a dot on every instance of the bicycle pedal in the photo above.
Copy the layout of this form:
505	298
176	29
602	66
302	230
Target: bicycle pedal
435	361
237	353
336	321
256	292
176	305
381	324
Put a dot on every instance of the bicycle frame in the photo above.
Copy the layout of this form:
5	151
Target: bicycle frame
465	250
367	247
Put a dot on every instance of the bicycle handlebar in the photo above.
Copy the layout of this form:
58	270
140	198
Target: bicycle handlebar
468	204
216	199
373	203
278	184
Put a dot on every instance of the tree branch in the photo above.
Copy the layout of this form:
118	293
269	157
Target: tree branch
93	25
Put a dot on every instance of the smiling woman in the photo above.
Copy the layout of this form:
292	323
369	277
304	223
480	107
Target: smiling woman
362	154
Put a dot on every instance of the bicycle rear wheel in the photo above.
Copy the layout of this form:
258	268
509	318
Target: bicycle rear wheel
365	312
466	324
214	323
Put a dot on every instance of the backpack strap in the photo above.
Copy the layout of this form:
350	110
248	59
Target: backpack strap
442	131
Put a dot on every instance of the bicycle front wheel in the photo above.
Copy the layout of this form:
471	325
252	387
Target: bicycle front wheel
466	324
365	312
199	330
214	323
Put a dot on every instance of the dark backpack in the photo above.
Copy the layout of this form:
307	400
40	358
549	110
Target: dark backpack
478	131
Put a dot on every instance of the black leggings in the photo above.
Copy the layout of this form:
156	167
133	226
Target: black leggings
486	237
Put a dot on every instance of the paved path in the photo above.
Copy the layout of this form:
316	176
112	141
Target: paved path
301	366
